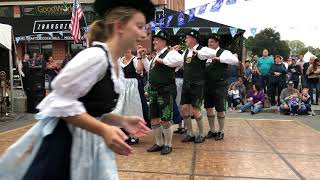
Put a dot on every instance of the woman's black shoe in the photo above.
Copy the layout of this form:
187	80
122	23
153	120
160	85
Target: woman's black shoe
211	135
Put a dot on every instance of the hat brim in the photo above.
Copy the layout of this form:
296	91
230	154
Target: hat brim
160	37
197	38
144	6
214	37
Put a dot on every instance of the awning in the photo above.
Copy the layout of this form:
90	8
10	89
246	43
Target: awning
6	36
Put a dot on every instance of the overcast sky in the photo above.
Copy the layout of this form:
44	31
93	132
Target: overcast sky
294	19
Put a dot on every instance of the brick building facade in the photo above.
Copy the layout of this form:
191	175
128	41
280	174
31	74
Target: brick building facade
26	15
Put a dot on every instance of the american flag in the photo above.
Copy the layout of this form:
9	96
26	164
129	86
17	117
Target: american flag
77	14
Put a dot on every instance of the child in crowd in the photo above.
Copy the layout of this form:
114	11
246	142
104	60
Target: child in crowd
294	104
235	97
305	103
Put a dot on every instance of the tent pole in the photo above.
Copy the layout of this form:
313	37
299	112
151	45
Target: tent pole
11	79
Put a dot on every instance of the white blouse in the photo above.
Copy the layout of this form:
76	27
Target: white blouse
75	81
134	59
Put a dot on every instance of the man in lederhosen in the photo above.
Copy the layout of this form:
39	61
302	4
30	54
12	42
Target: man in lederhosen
216	84
162	91
192	88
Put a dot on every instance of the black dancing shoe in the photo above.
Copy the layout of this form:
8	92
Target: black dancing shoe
133	141
166	150
188	138
183	131
211	135
178	131
220	136
200	139
155	148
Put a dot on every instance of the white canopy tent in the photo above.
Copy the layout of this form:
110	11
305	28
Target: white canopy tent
6	42
307	56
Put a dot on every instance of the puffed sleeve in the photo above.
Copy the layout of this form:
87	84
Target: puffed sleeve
206	53
146	64
173	59
73	82
228	58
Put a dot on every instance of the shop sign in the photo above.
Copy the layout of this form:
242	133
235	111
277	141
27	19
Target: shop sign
47	10
46	26
55	37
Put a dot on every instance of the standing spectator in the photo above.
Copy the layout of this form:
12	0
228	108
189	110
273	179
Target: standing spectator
255	75
286	96
278	80
304	71
255	99
67	58
288	62
313	73
294	71
264	65
41	62
255	59
24	72
247	78
52	71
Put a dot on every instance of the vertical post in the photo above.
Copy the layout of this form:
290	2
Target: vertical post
11	78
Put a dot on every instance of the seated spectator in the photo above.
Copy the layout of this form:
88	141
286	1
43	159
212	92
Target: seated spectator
255	99
294	104
305	103
240	86
286	96
235	97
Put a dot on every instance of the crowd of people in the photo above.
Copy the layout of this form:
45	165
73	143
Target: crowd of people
277	82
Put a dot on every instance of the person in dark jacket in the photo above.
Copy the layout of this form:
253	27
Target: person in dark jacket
294	71
278	80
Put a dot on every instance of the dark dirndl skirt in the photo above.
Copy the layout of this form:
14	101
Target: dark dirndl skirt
52	161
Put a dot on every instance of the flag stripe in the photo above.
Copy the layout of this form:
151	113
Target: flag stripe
77	14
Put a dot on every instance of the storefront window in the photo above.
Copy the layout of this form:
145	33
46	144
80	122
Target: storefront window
75	48
46	50
33	48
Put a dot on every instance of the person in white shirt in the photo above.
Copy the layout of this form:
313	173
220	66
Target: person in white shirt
162	91
193	86
216	85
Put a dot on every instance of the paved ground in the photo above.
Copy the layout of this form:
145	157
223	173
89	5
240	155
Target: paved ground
252	149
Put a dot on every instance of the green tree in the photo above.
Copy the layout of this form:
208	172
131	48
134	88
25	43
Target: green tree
268	39
297	47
